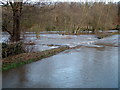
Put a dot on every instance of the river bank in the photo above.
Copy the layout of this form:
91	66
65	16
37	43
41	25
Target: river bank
25	58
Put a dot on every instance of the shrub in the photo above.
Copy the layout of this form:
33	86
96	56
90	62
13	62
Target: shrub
12	49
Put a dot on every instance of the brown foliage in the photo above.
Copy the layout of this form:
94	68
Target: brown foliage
64	16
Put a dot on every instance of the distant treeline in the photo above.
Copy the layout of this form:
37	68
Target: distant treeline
65	16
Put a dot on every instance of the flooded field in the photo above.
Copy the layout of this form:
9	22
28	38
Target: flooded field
94	65
45	41
78	68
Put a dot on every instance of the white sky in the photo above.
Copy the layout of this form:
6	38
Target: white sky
69	0
79	0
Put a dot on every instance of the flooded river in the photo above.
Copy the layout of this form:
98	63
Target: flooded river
91	66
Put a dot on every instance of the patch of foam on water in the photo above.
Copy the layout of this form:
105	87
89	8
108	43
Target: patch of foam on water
54	47
94	45
83	43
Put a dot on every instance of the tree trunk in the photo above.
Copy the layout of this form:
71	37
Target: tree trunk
16	26
16	8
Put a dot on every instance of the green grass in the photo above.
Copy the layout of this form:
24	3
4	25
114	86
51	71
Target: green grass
14	65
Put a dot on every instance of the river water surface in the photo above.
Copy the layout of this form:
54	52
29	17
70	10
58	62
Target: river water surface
90	66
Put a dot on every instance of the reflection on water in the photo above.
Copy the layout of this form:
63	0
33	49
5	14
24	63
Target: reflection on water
78	68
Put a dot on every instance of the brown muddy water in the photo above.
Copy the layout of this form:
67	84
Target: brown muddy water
77	68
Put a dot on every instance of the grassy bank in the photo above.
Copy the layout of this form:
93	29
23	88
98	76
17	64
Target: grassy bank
25	58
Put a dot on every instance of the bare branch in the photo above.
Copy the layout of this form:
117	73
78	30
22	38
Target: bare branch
4	3
5	29
11	4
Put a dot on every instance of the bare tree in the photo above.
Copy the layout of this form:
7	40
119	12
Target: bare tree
16	7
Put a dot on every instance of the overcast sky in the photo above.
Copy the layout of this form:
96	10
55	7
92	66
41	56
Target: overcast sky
69	0
80	0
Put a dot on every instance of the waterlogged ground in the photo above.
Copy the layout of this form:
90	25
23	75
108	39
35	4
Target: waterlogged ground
94	65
